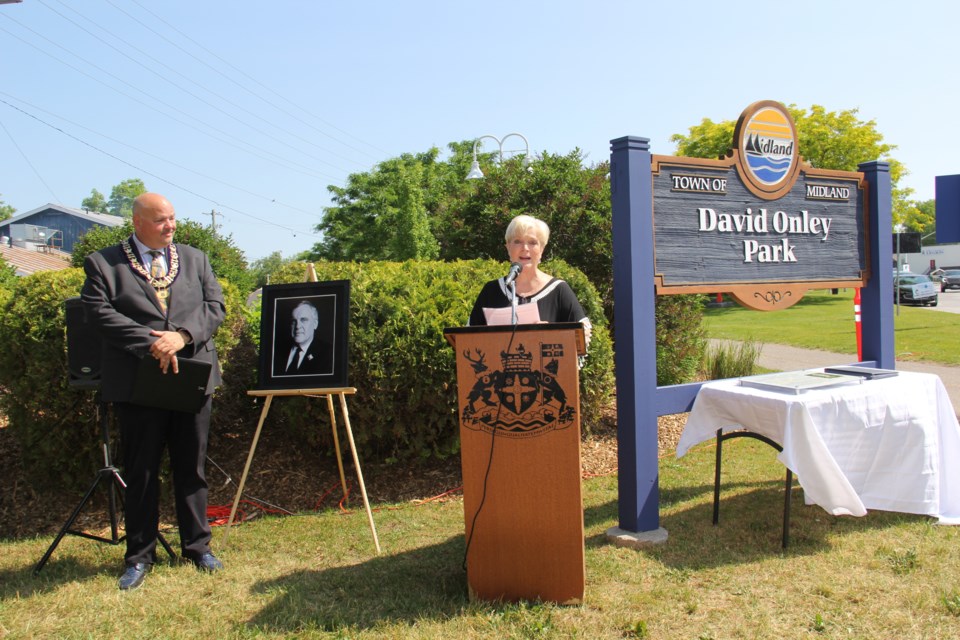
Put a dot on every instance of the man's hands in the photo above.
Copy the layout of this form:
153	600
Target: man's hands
165	349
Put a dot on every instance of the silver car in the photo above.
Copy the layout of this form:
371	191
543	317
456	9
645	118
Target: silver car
950	279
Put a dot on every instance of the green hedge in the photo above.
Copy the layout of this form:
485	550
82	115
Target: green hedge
56	425
403	367
405	407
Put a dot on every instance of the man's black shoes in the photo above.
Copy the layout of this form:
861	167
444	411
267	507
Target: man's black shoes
208	562
135	573
133	576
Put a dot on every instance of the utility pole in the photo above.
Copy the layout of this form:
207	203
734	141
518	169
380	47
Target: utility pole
213	222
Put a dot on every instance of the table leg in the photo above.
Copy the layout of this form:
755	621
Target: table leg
716	478
786	509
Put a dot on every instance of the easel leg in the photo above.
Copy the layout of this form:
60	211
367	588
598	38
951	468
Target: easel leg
356	464
336	444
246	468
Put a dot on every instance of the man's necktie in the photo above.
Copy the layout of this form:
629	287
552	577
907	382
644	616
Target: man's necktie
158	270
295	361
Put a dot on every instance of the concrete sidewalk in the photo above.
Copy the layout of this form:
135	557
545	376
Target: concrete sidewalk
783	358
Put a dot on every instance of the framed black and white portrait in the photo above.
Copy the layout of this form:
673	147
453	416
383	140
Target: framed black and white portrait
303	335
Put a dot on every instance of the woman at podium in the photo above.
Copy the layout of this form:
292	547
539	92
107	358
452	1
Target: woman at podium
540	296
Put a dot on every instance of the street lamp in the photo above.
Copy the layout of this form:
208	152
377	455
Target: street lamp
475	173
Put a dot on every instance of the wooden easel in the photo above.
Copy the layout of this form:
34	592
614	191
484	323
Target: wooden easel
341	392
315	393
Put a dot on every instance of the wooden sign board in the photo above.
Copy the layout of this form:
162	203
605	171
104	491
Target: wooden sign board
760	224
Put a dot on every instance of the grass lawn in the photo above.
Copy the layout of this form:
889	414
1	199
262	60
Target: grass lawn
883	576
315	576
826	321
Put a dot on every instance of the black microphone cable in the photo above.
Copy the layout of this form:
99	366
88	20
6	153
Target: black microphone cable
486	475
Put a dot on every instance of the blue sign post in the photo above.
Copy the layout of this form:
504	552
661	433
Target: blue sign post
640	401
947	193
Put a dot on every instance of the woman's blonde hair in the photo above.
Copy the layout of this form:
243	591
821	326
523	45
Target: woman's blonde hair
528	225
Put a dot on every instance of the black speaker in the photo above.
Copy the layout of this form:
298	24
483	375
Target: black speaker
83	348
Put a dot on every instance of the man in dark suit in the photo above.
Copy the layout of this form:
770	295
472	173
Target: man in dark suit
309	354
150	298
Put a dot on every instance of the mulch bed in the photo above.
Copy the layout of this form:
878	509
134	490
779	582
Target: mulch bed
284	477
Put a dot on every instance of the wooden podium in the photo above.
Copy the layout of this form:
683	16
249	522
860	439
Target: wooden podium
519	404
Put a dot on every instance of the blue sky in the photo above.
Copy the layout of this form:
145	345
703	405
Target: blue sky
253	108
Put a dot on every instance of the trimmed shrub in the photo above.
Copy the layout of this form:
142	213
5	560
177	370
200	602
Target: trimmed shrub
403	367
57	426
405	407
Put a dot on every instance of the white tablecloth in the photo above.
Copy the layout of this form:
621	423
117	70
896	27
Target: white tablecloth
891	444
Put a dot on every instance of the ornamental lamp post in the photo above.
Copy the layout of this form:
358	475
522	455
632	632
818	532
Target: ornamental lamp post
475	173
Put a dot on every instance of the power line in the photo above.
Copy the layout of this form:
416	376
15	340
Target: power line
150	105
194	95
27	160
252	79
162	179
147	153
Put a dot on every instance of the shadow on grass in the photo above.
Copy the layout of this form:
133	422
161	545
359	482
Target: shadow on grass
63	567
16	583
421	584
750	526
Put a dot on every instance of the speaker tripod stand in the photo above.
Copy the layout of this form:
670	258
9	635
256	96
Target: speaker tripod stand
114	484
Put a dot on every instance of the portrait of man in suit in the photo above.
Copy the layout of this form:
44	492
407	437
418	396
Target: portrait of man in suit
303	344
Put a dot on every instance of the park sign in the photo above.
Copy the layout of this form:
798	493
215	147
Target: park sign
760	224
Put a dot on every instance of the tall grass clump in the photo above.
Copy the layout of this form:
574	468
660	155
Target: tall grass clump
732	359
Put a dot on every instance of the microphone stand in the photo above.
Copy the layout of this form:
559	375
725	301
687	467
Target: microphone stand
513	302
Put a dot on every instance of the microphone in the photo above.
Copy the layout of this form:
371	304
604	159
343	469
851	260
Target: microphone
515	270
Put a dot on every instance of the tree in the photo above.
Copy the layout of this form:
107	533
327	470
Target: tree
6	211
376	208
922	218
572	199
412	239
122	195
417	206
376	217
264	268
96	202
826	139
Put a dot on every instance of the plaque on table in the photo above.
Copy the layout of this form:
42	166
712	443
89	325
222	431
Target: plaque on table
867	373
798	381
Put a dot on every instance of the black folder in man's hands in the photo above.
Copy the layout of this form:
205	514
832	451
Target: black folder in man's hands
183	391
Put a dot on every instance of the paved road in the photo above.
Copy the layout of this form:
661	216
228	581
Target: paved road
784	358
949	301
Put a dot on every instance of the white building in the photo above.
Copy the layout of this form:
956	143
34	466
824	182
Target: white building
938	256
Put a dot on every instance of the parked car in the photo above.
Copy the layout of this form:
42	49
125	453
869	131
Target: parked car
950	279
916	288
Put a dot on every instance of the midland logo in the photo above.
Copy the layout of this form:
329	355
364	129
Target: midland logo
517	400
768	160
